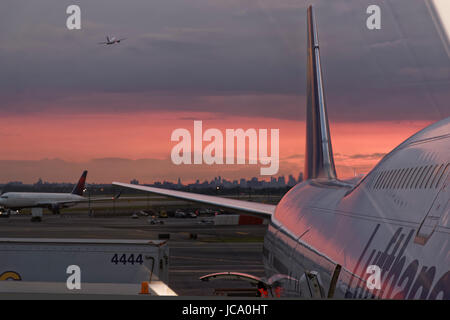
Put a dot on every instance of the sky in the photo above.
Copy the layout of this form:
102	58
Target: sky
69	103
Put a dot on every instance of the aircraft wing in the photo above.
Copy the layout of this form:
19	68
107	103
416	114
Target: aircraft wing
254	208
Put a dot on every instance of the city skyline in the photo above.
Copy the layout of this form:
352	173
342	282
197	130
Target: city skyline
278	181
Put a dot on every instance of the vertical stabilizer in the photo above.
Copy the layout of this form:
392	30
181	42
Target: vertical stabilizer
79	188
319	162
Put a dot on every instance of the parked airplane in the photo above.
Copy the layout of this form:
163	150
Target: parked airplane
334	238
111	40
51	201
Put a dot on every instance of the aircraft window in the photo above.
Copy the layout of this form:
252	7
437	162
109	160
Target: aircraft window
380	183
431	173
405	177
430	179
394	178
419	177
4	197
400	178
376	177
443	174
377	182
423	178
411	174
377	186
391	177
386	180
438	172
416	177
399	173
383	173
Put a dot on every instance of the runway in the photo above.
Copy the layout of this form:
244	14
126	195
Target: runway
216	249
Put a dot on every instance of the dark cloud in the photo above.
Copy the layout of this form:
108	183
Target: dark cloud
231	50
294	157
371	156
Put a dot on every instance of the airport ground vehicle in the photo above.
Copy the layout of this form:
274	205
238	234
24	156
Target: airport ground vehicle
154	220
180	214
163	214
101	262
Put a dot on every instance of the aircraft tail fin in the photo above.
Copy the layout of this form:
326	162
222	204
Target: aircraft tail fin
319	161
78	189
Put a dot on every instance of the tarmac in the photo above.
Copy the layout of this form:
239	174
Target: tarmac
196	248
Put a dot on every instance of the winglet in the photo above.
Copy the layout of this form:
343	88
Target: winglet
78	189
319	162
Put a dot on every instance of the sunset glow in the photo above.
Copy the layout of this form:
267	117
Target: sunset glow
80	138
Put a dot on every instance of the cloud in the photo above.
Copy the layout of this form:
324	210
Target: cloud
228	50
367	156
294	157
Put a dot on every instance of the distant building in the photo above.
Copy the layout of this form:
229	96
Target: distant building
291	181
15	183
281	181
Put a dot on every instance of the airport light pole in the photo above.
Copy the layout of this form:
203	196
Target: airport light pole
114	202
89	199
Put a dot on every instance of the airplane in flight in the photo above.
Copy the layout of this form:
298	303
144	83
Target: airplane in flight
111	40
51	201
384	236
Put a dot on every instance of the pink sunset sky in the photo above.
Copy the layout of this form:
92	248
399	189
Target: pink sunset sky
77	139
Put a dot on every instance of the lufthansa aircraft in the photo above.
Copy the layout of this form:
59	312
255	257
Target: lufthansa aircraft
386	236
51	201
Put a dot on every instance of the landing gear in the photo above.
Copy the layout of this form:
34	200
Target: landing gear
55	211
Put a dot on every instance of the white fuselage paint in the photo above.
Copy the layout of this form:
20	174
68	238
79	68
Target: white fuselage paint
396	217
19	200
